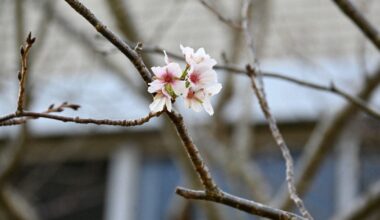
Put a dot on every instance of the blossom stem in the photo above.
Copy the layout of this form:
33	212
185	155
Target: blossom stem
184	73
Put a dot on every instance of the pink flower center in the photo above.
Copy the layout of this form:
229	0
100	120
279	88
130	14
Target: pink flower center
194	78
167	78
190	94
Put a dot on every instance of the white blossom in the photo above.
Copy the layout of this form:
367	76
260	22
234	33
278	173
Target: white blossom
201	75
159	101
167	80
197	83
198	57
196	99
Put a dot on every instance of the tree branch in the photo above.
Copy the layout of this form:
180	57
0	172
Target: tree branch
131	54
361	22
320	143
12	119
280	142
220	16
23	72
238	203
126	24
193	153
363	206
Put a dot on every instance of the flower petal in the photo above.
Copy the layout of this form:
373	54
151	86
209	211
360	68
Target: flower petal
208	77
196	106
168	104
158	103
210	62
158	71
207	106
167	61
179	87
174	69
155	86
213	89
187	51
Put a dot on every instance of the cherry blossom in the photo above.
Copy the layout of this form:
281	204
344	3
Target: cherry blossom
166	84
159	101
200	56
196	99
197	83
201	75
167	77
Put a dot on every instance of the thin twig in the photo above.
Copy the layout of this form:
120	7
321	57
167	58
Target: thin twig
321	141
132	55
90	47
247	4
193	153
239	203
173	144
220	16
255	76
332	88
363	206
361	22
126	24
281	143
23	72
12	119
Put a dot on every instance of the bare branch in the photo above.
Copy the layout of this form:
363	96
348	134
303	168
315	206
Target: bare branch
361	22
320	143
281	143
363	206
23	72
126	24
76	35
239	203
332	88
131	54
17	207
190	178
246	6
25	115
239	169
220	16
193	153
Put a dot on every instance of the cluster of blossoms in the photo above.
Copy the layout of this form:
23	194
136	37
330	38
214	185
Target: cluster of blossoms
196	83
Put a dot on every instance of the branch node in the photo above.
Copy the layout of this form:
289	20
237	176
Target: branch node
138	48
21	75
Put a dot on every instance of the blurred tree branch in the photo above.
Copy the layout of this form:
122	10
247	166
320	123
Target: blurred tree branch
280	142
361	22
89	46
126	24
322	140
363	206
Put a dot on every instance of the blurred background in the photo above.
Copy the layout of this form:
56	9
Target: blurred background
55	171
